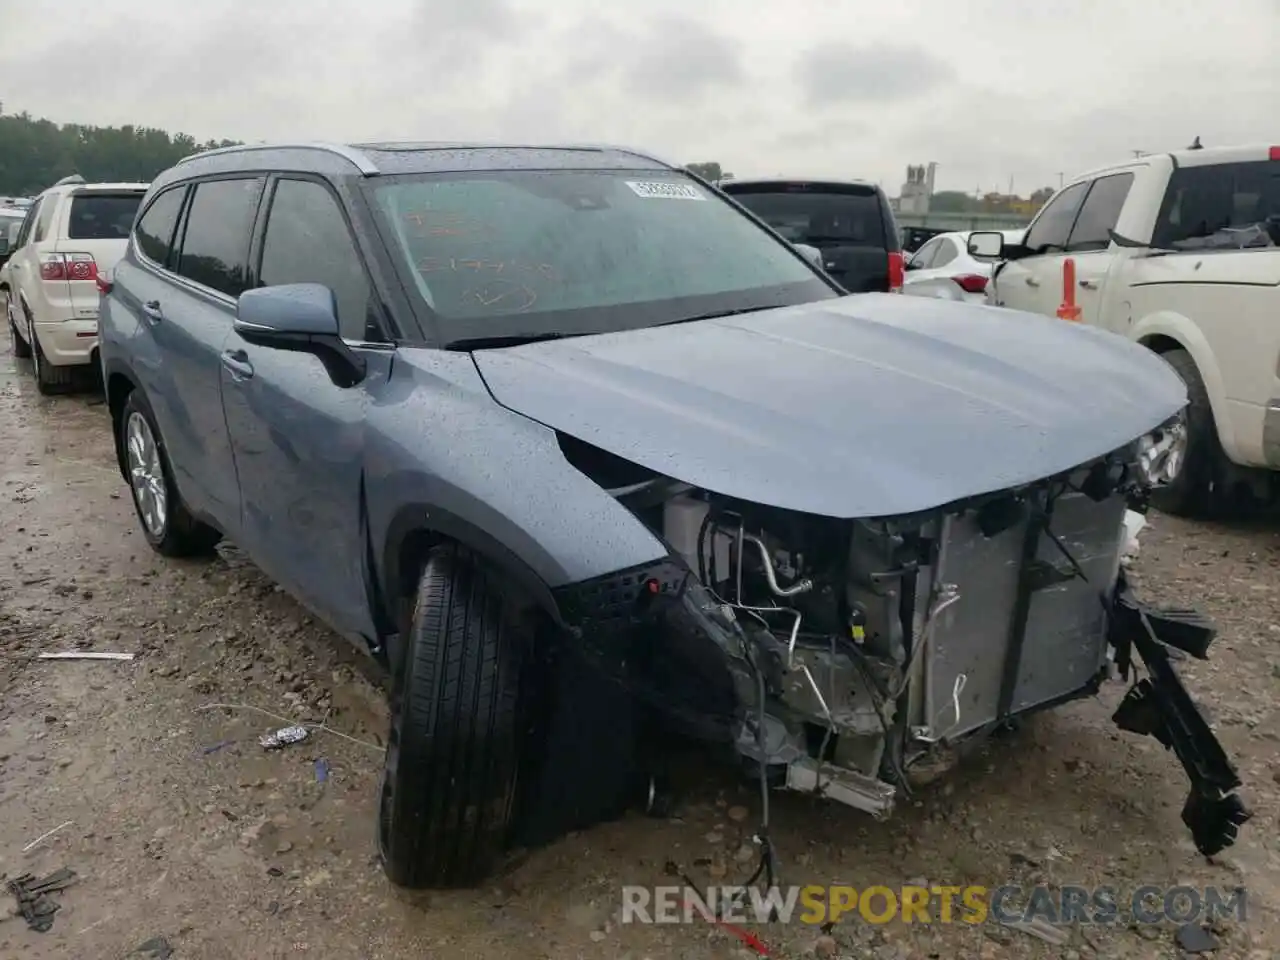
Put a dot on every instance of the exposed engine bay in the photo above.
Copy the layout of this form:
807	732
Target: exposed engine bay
856	658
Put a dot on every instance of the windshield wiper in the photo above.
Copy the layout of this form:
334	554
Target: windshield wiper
506	340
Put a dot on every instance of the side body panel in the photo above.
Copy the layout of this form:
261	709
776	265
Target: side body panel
299	441
175	351
441	455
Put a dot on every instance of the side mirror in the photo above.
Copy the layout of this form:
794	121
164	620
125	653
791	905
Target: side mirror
812	254
301	317
987	244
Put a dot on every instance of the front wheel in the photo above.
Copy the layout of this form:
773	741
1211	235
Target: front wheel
1195	487
166	523
449	779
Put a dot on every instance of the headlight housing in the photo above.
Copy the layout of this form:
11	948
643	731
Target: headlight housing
1162	453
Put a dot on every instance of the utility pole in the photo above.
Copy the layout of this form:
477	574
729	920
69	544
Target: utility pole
1139	153
1060	173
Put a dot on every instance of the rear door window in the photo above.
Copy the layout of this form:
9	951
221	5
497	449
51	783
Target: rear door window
1099	213
28	224
923	258
1052	229
946	253
1224	206
44	219
156	228
215	240
102	216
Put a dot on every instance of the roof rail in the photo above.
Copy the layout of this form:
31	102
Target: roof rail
409	146
74	178
352	156
643	154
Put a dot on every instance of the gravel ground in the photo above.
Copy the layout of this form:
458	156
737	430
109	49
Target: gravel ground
182	827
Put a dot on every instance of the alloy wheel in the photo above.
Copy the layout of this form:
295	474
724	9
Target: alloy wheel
146	475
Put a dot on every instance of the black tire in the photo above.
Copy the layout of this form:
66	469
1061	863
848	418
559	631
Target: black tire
447	797
180	534
50	380
1196	491
21	349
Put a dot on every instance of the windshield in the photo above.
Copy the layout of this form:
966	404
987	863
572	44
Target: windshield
817	213
520	253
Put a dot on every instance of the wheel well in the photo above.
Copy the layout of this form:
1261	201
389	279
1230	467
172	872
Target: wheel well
525	595
1159	343
119	387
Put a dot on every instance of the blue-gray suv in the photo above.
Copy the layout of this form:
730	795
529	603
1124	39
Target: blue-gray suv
586	455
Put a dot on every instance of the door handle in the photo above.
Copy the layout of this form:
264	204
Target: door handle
1032	282
237	362
1089	284
151	310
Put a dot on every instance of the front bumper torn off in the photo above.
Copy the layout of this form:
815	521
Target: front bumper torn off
1160	706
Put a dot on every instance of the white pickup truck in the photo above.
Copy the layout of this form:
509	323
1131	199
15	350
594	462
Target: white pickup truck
1180	252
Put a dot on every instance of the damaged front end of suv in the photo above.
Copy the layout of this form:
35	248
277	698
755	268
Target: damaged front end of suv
856	657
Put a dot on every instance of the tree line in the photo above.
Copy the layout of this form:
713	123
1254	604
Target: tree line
36	153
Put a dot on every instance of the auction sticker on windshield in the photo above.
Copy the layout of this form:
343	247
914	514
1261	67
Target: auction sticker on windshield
665	190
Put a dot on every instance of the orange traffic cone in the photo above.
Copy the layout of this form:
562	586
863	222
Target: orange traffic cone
1068	310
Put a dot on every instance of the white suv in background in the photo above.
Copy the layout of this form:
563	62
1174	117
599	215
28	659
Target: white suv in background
73	233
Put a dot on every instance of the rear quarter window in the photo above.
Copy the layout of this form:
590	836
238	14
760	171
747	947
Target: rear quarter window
102	216
156	228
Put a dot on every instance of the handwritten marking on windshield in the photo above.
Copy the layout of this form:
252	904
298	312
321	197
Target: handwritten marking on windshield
432	223
477	265
504	294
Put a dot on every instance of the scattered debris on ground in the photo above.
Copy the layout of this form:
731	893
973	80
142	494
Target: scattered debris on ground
46	835
283	737
34	903
157	948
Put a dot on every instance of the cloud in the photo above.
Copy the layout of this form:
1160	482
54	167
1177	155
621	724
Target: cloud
681	58
840	72
442	22
990	89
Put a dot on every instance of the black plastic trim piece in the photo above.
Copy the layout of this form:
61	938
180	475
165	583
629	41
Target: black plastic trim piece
1160	706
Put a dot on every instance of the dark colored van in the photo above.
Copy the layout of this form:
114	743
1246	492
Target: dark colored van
850	222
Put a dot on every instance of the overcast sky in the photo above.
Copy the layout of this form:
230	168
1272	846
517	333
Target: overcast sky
990	89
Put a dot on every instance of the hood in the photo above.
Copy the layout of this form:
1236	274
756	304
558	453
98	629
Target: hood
864	406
